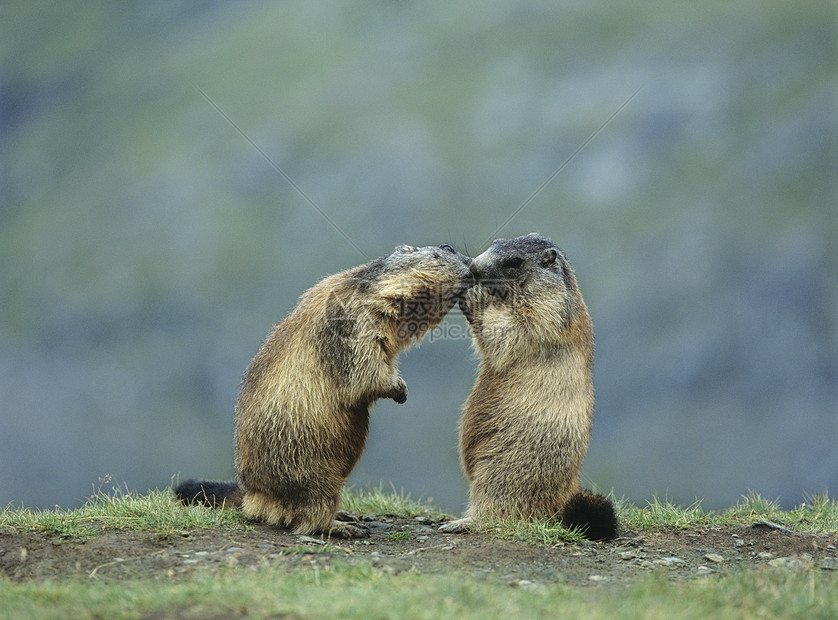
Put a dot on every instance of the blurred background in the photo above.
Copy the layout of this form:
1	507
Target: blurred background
148	242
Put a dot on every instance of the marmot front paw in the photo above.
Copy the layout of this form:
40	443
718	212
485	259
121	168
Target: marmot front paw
398	390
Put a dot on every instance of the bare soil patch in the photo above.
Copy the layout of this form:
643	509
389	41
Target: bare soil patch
399	544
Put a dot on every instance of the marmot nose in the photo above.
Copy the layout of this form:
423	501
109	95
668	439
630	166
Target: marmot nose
474	272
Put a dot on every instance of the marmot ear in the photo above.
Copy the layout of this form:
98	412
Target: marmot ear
548	257
405	249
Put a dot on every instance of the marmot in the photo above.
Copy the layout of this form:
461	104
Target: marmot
526	425
302	415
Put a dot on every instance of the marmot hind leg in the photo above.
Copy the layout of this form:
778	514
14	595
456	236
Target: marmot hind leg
348	529
320	518
457	526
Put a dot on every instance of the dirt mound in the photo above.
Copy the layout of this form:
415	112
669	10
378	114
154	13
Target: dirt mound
401	544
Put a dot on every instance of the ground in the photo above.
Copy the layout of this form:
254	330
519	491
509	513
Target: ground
399	544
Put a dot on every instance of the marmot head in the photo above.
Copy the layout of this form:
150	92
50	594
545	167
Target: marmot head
524	284
520	269
418	286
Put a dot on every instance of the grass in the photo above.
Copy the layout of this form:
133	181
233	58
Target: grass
159	512
375	500
156	511
818	514
352	590
364	592
537	532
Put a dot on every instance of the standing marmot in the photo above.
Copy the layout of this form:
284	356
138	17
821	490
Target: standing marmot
526	425
303	411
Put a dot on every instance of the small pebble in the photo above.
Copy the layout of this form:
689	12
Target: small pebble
829	564
770	525
669	561
800	562
714	557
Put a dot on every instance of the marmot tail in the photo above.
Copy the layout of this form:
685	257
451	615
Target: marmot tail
210	493
593	514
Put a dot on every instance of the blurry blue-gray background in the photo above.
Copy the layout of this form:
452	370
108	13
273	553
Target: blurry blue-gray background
147	246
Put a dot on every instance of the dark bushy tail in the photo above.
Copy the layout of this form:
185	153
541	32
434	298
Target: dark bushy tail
592	513
210	493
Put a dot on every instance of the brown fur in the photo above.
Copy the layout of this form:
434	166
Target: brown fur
526	425
303	411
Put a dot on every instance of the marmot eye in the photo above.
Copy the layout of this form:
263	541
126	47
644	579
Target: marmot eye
448	248
514	262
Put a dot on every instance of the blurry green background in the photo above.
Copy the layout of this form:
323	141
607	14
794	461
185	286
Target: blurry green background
146	247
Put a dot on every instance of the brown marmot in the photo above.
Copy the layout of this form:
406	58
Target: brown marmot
302	414
526	425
